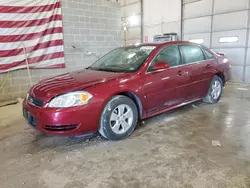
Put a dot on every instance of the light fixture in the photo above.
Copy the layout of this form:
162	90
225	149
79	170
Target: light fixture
133	20
228	39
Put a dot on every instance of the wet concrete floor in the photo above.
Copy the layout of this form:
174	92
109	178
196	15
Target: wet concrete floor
172	150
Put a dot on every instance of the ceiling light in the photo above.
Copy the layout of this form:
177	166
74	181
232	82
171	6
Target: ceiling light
133	20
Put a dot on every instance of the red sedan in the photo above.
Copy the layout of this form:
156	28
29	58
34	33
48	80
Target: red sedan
126	85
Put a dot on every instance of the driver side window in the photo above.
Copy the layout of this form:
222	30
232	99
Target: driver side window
170	55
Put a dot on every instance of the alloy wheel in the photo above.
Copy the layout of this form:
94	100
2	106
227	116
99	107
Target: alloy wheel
216	90
121	119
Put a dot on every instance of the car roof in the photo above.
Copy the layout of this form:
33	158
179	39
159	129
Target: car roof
166	43
159	44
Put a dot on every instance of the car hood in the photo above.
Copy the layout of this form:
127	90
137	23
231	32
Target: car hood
46	89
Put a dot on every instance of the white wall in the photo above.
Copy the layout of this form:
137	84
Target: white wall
131	8
161	16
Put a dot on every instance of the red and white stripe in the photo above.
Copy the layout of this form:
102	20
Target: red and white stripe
35	25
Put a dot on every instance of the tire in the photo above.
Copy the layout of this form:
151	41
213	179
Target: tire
215	91
119	118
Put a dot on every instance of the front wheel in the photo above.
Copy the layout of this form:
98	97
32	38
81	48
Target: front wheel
119	118
214	91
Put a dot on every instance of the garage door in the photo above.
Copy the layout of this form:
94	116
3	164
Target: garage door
222	26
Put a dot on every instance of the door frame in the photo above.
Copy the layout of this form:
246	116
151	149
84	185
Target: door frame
162	48
149	73
181	55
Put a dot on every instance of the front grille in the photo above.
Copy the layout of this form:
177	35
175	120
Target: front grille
35	101
61	127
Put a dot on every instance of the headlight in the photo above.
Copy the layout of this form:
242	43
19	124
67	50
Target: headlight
77	98
27	96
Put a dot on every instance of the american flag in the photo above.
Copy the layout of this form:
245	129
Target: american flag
31	32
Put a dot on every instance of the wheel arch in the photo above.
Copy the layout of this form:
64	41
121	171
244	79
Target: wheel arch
221	75
136	100
133	97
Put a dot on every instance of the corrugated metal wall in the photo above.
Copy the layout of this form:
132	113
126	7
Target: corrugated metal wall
215	20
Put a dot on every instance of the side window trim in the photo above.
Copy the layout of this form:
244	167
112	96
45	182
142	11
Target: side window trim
181	54
163	48
205	59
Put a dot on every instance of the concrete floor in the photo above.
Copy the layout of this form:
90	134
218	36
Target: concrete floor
171	150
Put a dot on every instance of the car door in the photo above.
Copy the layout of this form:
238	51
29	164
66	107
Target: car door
167	88
200	69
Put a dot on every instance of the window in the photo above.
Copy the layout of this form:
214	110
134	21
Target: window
170	55
198	41
228	39
192	53
208	54
126	59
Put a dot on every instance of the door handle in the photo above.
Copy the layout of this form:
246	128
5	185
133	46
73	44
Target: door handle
208	66
181	73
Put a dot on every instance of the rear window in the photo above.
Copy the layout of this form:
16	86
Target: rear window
192	53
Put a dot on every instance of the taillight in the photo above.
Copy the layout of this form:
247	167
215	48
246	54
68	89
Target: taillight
225	60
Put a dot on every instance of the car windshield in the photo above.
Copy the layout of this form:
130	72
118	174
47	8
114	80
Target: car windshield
125	59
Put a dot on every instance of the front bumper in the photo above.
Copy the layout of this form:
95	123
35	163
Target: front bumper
68	121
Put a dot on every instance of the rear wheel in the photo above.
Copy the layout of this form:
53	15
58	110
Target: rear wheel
119	118
214	91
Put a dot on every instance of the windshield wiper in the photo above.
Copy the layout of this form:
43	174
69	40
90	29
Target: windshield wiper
102	69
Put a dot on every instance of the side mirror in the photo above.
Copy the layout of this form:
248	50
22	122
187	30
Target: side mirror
160	66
